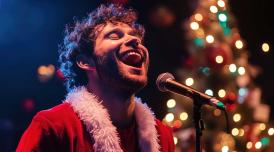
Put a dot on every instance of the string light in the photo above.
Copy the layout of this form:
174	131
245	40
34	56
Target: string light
258	145
213	9
225	149
183	116
189	81
209	92
239	44
194	25
265	47
169	117
232	68
235	131
171	103
219	59
175	139
209	39
198	17
249	145
221	3
262	126
221	93
236	117
222	17
270	131
241	70
241	132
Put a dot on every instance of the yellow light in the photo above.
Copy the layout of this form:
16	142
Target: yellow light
236	117
249	145
239	44
198	17
175	139
262	126
241	132
258	145
183	116
189	81
221	93
194	25
235	131
221	3
210	39
217	112
219	59
265	47
271	131
213	9
169	117
225	149
241	70
232	68
171	103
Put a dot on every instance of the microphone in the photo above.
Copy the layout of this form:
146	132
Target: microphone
166	82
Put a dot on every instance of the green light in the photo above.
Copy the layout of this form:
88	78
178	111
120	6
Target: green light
199	42
222	17
265	141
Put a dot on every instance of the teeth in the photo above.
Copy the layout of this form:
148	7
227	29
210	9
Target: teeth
130	53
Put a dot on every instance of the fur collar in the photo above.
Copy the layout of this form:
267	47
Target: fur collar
98	123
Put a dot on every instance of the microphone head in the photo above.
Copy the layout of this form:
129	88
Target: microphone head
161	80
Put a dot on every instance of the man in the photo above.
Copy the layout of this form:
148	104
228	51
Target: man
105	64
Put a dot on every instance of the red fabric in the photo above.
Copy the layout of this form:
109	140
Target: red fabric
60	130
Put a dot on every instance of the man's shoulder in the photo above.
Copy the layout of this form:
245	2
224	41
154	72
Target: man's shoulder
57	114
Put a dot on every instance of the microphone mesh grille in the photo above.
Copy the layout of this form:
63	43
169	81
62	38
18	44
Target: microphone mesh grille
161	80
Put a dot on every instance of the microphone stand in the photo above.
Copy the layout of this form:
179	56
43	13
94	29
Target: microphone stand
198	122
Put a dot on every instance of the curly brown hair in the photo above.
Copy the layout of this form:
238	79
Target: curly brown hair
79	39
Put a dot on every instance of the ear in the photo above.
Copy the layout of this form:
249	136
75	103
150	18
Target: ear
85	63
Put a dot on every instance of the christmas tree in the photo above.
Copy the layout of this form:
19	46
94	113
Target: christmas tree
218	66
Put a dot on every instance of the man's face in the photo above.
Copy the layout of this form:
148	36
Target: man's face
121	59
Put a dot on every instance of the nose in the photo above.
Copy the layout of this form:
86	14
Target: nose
132	41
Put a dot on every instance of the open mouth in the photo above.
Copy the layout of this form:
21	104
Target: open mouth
132	58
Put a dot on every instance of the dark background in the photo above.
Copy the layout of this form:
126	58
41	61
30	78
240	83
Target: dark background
31	30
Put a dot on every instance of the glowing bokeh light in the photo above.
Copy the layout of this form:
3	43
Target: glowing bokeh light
222	17
232	68
270	131
265	47
175	139
171	103
225	149
249	145
189	81
239	44
209	92
169	117
221	93
241	70
183	116
235	131
198	17
241	132
221	3
194	25
262	126
236	117
209	39
258	145
219	59
213	9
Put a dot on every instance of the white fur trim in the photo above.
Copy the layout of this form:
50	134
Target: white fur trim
98	123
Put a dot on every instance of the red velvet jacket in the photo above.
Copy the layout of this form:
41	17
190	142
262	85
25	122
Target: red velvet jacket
60	129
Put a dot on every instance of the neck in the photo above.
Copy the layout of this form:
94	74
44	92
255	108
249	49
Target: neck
120	105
